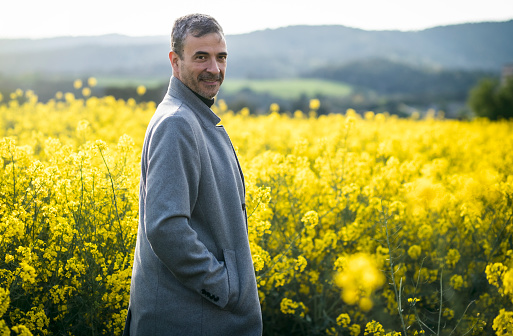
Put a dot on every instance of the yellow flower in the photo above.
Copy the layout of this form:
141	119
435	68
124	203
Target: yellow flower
82	126
414	251
4	301
343	320
456	281
101	145
311	218
413	301
77	84
27	272
141	90
314	104
92	82
369	115
425	232
374	328
223	107
288	306
359	279
507	281
300	264
9	258
244	112
298	114
69	97
274	108
365	304
503	323
21	330
354	329
452	258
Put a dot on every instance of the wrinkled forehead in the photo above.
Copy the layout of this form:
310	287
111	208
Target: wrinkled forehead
212	42
210	36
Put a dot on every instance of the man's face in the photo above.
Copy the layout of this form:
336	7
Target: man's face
203	65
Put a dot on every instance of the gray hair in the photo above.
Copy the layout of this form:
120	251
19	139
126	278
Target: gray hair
196	25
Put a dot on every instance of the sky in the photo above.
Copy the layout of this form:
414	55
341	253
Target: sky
50	18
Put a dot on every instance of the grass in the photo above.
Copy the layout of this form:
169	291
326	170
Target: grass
288	88
291	88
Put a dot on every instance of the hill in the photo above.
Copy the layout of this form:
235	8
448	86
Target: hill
273	53
293	50
389	77
391	71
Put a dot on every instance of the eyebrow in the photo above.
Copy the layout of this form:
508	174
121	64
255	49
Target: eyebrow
206	53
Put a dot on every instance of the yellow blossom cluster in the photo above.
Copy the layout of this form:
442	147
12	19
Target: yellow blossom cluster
67	217
501	277
288	306
341	208
359	279
374	328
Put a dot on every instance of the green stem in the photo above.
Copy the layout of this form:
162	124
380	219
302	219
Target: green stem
111	184
394	285
441	302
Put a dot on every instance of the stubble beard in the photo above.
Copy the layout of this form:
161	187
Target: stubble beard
199	85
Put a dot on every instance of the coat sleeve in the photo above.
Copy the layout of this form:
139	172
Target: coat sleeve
172	180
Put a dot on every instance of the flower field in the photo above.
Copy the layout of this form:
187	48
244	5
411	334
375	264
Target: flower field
359	225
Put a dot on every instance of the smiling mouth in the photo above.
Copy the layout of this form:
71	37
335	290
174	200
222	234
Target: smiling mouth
210	80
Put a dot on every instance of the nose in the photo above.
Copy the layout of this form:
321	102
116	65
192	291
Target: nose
213	66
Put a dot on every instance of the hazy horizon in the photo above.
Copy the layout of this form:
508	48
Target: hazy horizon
58	18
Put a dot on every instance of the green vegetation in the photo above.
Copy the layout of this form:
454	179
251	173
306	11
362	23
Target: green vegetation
288	88
492	99
392	77
132	81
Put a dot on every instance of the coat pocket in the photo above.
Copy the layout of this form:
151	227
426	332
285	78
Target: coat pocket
230	260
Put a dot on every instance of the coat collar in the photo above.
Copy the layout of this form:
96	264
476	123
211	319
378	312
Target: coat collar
178	90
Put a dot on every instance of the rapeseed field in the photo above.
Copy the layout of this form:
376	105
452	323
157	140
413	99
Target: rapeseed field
359	224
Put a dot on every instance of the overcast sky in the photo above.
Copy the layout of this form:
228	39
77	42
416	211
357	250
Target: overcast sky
48	18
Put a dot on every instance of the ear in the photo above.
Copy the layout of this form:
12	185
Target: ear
174	58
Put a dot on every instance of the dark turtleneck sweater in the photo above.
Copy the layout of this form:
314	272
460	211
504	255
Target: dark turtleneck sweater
208	102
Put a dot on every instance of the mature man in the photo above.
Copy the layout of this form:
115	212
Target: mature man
193	273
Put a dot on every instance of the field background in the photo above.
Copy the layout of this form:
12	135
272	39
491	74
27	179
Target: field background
288	88
387	71
359	224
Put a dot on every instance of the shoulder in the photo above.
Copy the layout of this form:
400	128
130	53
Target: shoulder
173	124
171	115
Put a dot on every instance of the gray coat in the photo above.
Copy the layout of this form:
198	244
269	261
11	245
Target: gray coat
193	273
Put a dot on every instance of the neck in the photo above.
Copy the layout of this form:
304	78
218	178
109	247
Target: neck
208	102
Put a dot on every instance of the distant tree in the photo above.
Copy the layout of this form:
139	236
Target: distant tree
492	99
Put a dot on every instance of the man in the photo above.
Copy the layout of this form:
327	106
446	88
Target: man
193	273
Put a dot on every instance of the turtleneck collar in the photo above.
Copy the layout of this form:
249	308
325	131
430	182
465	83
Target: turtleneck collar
208	102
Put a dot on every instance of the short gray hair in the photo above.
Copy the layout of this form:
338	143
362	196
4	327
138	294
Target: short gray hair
196	25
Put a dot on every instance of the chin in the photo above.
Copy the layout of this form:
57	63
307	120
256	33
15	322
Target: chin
209	94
